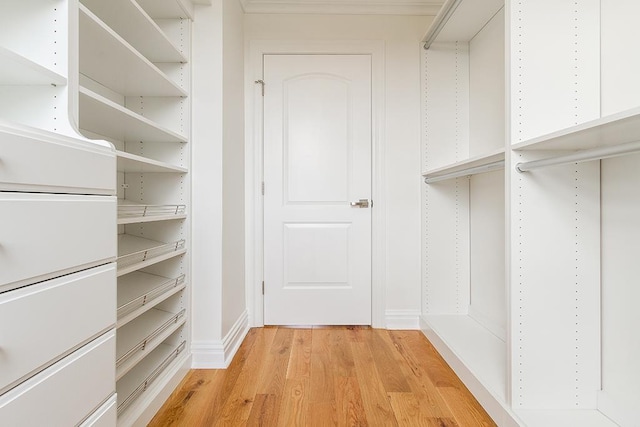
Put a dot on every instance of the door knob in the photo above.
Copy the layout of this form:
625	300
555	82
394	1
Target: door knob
362	203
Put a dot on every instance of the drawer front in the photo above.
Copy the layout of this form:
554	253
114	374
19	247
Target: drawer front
104	416
43	322
37	163
43	236
65	393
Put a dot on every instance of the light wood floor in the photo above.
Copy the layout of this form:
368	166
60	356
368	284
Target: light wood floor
335	376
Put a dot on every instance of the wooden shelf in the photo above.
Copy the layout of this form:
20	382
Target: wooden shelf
138	292
469	17
167	9
15	69
132	163
108	59
131	386
463	341
135	252
607	131
473	162
138	338
134	25
131	212
104	117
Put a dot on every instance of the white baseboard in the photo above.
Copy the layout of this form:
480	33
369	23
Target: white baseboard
402	319
218	354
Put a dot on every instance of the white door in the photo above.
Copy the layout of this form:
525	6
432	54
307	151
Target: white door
317	160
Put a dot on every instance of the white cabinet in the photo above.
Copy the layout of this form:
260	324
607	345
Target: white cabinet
134	83
552	341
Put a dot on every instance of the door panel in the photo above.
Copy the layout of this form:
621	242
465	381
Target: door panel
317	145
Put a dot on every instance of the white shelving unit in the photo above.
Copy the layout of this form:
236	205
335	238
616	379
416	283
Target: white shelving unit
560	353
464	292
58	197
134	80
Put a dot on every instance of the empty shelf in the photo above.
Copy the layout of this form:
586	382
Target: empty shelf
135	252
479	350
15	69
139	337
606	131
108	59
464	21
133	24
137	290
140	378
103	116
130	212
137	164
166	9
472	163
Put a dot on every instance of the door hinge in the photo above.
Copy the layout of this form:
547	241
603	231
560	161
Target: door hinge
263	287
371	203
263	188
261	82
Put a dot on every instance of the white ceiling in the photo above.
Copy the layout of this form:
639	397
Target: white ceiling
365	7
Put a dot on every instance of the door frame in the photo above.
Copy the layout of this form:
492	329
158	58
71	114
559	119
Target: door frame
254	212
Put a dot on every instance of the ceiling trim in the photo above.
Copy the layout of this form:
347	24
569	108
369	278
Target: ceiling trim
430	8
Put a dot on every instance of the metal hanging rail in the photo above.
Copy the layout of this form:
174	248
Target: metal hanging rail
582	156
440	21
466	172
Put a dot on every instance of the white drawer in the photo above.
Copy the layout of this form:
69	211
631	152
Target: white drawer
65	393
43	236
104	416
40	162
44	322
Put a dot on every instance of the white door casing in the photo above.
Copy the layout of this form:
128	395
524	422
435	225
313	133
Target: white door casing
317	159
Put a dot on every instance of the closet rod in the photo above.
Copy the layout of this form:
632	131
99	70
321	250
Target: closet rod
582	156
440	21
466	172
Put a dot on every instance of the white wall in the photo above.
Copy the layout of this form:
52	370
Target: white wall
218	289
401	127
233	286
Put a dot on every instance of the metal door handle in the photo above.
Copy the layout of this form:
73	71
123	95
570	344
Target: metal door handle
362	203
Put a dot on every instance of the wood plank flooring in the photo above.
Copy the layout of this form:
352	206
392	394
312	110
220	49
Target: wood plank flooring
329	376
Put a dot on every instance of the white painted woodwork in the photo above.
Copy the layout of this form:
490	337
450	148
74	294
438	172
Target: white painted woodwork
472	162
547	99
565	417
132	23
317	160
107	58
128	162
136	252
159	9
81	305
16	69
620	245
63	165
620	60
49	235
104	416
139	292
105	117
468	19
65	393
488	301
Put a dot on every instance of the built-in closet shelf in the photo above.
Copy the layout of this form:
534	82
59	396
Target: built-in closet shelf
461	20
16	69
139	292
140	378
568	417
135	252
608	131
108	59
137	164
136	339
131	212
133	24
470	165
166	9
474	346
105	117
